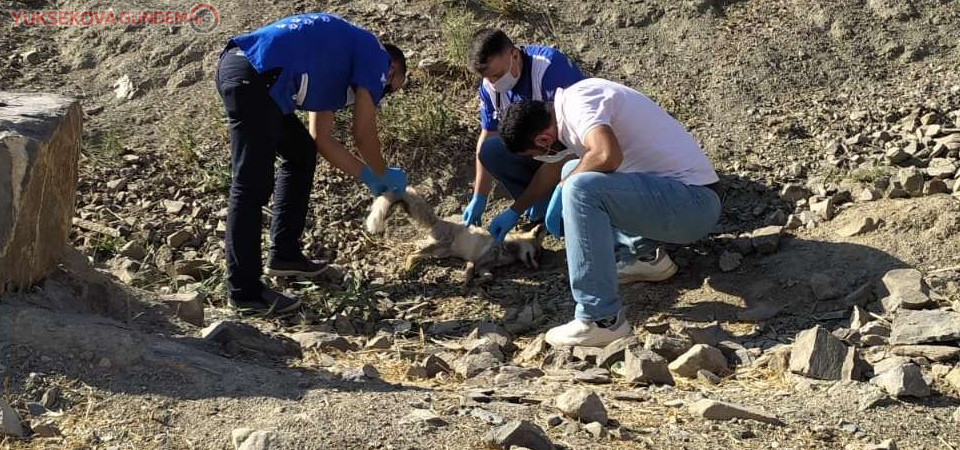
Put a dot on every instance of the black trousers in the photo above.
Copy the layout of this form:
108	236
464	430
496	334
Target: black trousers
259	133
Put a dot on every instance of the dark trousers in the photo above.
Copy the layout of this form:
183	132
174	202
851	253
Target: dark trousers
259	132
514	172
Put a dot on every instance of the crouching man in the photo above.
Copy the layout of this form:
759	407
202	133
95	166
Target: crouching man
617	161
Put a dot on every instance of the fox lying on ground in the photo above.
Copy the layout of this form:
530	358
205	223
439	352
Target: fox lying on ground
453	239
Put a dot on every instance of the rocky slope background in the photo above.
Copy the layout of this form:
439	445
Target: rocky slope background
822	313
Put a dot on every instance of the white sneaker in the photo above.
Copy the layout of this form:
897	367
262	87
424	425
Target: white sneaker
586	333
659	268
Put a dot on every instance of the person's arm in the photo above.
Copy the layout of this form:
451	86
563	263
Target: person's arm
602	152
321	128
483	181
365	133
542	185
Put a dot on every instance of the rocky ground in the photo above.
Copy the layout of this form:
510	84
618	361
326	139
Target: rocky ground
822	313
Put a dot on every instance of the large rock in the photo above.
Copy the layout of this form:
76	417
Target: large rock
921	327
818	354
39	146
714	410
582	405
700	356
9	421
903	288
905	380
642	366
238	337
519	433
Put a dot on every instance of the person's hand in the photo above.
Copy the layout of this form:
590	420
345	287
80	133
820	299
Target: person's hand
395	179
474	209
373	182
554	217
503	223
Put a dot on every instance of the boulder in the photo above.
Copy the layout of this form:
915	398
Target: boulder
39	149
818	354
925	326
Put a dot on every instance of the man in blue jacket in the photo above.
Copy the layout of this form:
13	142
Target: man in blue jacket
315	62
510	74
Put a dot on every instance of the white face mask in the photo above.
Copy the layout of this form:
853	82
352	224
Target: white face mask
556	157
507	81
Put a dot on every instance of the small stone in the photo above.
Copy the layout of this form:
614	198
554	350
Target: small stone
363	373
875	328
766	239
935	186
237	337
486	416
888	444
793	222
554	420
858	226
260	440
533	350
854	367
51	398
870	399
324	342
937	353
896	155
889	363
124	89
596	430
825	287
239	435
188	306
956	415
582	405
666	346
729	261
824	209
925	326
35	409
519	433
588	354
953	378
420	415
905	380
642	366
117	185
708	377
869	194
381	342
595	375
700	356
180	238
435	365
174	206
818	354
858	318
710	333
133	250
471	365
10	421
792	192
614	351
911	179
44	429
905	289
942	168
715	410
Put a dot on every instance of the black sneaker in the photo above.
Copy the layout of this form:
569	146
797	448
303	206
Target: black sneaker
270	303
300	267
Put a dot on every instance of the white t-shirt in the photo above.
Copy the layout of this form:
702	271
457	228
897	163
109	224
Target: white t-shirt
651	140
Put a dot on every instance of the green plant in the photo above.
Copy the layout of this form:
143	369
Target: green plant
868	175
456	30
419	118
104	247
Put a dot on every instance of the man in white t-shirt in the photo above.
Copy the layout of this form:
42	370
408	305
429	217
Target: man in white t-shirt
616	162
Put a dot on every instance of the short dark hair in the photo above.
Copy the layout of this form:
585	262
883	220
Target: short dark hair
522	122
487	43
396	55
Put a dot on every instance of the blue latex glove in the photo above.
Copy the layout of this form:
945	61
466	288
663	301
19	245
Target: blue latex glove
503	223
395	179
373	182
554	218
475	209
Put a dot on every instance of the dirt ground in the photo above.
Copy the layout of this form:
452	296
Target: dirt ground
766	86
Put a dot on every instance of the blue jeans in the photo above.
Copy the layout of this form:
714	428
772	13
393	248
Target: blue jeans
596	205
513	171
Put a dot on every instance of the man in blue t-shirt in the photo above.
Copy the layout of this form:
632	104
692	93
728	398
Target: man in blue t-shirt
510	74
315	62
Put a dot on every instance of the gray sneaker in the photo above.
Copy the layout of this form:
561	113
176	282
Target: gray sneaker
269	303
300	267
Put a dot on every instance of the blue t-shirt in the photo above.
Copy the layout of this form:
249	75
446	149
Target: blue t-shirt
544	70
323	59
